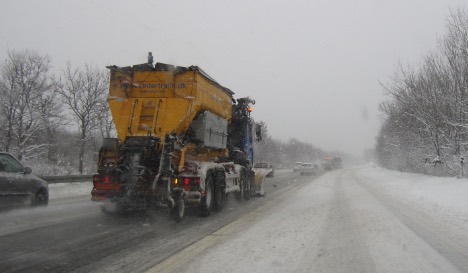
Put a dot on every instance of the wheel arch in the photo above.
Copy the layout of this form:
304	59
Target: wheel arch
44	191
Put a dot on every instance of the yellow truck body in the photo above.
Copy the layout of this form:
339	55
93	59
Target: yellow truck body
163	102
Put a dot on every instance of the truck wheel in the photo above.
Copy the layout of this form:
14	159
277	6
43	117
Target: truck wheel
207	201
240	194
111	208
106	211
178	211
110	211
247	188
41	199
219	194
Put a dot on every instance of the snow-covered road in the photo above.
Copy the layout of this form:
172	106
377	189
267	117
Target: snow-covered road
73	235
362	219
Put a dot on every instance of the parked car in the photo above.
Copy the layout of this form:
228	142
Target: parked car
307	168
297	166
262	165
18	186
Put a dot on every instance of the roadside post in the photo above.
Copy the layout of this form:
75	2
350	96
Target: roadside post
462	161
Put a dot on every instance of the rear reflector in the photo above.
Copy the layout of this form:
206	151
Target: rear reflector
107	186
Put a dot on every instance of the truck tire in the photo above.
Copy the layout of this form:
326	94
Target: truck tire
110	208
244	187
219	193
247	188
206	203
239	195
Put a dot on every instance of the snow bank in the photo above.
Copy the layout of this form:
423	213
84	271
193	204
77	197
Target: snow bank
446	197
67	190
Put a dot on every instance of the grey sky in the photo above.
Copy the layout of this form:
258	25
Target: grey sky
312	66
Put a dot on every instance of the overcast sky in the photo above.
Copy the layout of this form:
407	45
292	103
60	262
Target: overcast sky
313	66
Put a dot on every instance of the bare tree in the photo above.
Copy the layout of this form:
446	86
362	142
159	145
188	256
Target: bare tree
24	82
53	118
454	49
427	113
106	123
264	150
83	90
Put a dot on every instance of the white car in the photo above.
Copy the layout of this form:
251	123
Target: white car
307	168
297	166
262	165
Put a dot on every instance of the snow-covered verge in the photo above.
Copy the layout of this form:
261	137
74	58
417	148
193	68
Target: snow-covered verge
282	171
445	197
67	190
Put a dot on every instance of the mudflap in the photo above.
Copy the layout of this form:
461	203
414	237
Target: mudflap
258	182
177	211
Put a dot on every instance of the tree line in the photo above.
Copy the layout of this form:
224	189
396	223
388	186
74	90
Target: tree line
52	121
284	154
425	119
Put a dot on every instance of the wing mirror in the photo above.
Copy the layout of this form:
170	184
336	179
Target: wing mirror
258	132
27	170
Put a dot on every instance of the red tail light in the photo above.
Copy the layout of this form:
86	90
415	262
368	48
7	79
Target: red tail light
104	182
187	183
98	178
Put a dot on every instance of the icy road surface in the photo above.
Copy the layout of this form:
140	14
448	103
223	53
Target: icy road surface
73	235
362	219
356	220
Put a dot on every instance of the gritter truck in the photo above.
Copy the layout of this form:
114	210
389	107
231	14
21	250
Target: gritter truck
182	140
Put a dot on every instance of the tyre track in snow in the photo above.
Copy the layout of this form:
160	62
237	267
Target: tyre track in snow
85	240
341	245
317	229
337	223
64	245
188	258
161	251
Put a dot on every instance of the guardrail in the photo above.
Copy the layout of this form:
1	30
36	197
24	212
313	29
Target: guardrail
67	178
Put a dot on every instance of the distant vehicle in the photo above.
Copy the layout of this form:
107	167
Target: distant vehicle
262	165
18	186
327	164
307	168
297	166
336	162
330	163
